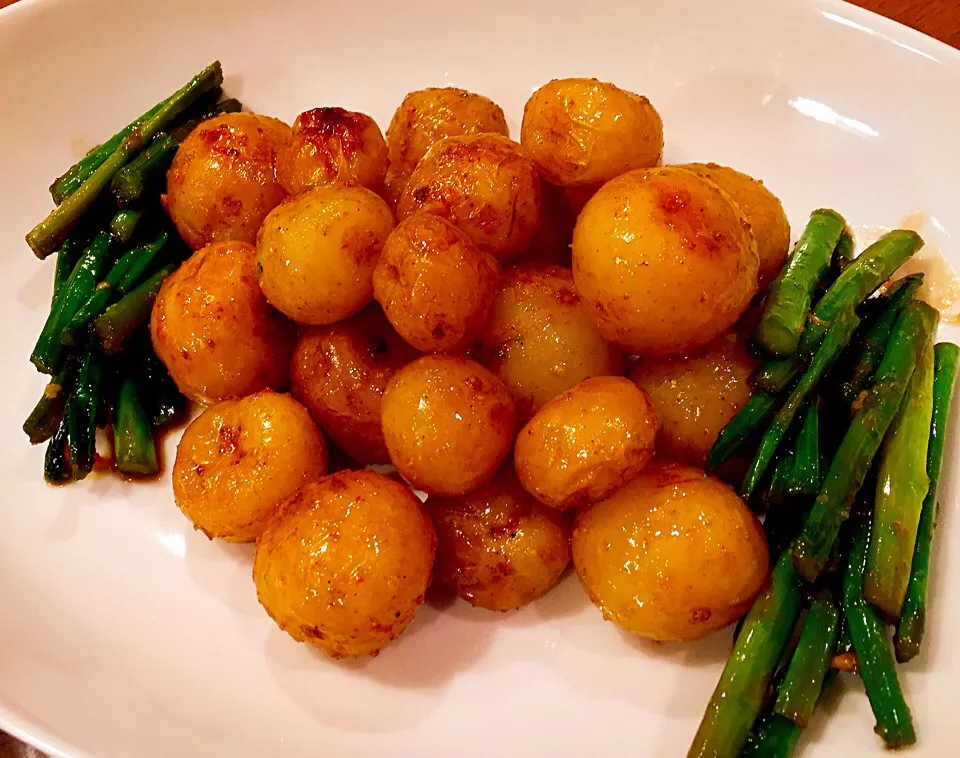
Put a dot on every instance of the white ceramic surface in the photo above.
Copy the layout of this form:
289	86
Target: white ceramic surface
125	633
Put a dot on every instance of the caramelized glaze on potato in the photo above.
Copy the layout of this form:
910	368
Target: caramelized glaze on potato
345	564
583	132
239	459
222	182
434	284
665	260
587	442
332	145
674	555
213	329
339	372
497	547
448	423
485	184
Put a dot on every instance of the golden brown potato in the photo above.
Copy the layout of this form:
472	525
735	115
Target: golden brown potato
239	459
540	339
763	212
340	372
213	329
585	132
448	423
434	284
317	252
696	395
587	442
497	547
332	145
485	184
429	115
345	564
674	555
222	182
665	260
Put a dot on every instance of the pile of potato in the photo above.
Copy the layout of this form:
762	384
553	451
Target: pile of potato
518	328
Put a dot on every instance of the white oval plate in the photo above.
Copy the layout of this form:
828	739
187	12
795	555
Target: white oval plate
125	633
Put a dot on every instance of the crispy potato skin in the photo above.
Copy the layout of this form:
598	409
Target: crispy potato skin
239	459
586	443
497	547
583	132
214	330
672	556
345	564
696	395
434	284
317	252
540	338
330	145
429	115
448	423
339	372
763	211
222	182
665	260
485	184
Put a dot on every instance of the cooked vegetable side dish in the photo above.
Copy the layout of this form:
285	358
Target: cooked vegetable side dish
568	352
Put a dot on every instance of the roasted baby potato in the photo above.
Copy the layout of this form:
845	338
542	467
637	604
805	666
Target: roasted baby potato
587	442
331	145
696	395
429	115
213	329
497	547
239	459
317	252
584	132
763	212
674	555
222	182
345	564
339	372
434	284
448	423
541	339
485	184
665	260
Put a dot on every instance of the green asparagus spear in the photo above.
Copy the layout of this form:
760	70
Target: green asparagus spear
124	224
902	483
875	339
877	668
774	376
805	474
56	462
789	297
772	736
46	415
836	339
67	257
159	392
853	459
800	689
50	232
133	443
122	319
913	615
748	420
874	266
739	695
48	352
82	417
843	252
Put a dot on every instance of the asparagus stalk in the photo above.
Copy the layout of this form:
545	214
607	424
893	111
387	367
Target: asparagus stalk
805	473
122	319
67	257
773	736
902	483
874	266
739	695
909	633
82	417
790	294
798	694
837	338
134	446
740	428
160	393
56	463
48	352
773	376
44	419
853	459
124	224
877	667
50	232
843	252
